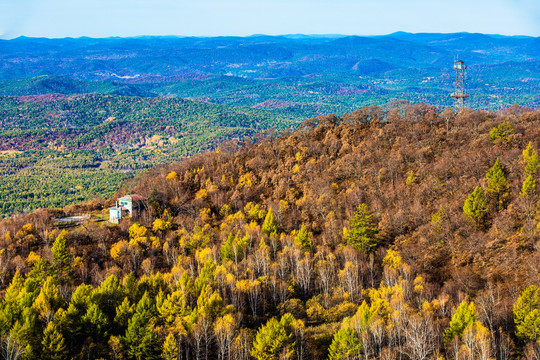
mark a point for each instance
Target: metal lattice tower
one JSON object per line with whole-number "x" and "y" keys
{"x": 459, "y": 94}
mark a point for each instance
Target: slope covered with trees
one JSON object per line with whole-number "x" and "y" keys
{"x": 399, "y": 233}
{"x": 58, "y": 150}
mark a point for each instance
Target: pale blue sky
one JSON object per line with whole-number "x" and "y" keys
{"x": 102, "y": 18}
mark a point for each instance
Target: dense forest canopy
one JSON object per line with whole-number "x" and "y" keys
{"x": 400, "y": 233}
{"x": 59, "y": 150}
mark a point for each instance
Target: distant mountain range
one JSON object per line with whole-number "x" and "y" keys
{"x": 251, "y": 70}
{"x": 160, "y": 58}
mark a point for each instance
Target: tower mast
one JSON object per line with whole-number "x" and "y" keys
{"x": 459, "y": 94}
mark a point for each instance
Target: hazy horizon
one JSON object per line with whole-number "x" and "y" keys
{"x": 255, "y": 35}
{"x": 210, "y": 18}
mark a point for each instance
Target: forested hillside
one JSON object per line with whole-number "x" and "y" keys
{"x": 398, "y": 233}
{"x": 58, "y": 150}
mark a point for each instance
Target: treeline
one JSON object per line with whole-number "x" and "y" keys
{"x": 398, "y": 233}
{"x": 80, "y": 111}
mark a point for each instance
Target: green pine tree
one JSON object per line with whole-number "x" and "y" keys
{"x": 363, "y": 231}
{"x": 497, "y": 185}
{"x": 53, "y": 344}
{"x": 130, "y": 285}
{"x": 303, "y": 238}
{"x": 74, "y": 325}
{"x": 96, "y": 323}
{"x": 464, "y": 316}
{"x": 274, "y": 340}
{"x": 62, "y": 257}
{"x": 124, "y": 312}
{"x": 227, "y": 248}
{"x": 527, "y": 314}
{"x": 502, "y": 133}
{"x": 530, "y": 158}
{"x": 528, "y": 188}
{"x": 206, "y": 276}
{"x": 270, "y": 225}
{"x": 49, "y": 298}
{"x": 140, "y": 340}
{"x": 170, "y": 348}
{"x": 14, "y": 289}
{"x": 345, "y": 345}
{"x": 145, "y": 306}
{"x": 109, "y": 295}
{"x": 40, "y": 271}
{"x": 475, "y": 206}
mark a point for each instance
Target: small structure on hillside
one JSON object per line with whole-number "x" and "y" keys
{"x": 127, "y": 206}
{"x": 69, "y": 221}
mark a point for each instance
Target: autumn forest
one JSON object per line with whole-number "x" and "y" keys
{"x": 397, "y": 232}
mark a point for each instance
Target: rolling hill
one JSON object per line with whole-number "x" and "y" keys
{"x": 390, "y": 65}
{"x": 407, "y": 232}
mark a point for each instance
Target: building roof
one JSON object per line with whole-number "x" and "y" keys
{"x": 133, "y": 197}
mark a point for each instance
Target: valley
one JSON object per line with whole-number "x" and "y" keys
{"x": 57, "y": 150}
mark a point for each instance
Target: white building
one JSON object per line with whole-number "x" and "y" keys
{"x": 127, "y": 206}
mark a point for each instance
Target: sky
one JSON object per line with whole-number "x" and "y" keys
{"x": 104, "y": 18}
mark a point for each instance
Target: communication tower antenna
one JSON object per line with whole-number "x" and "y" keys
{"x": 459, "y": 94}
